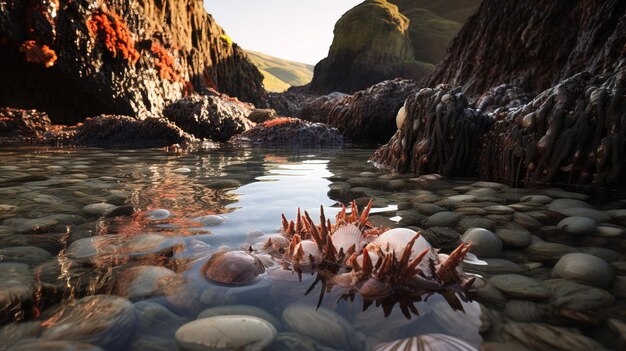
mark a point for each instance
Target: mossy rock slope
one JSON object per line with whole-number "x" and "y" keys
{"x": 379, "y": 40}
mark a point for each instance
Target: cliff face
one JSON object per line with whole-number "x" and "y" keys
{"x": 371, "y": 43}
{"x": 572, "y": 133}
{"x": 78, "y": 58}
{"x": 380, "y": 40}
{"x": 533, "y": 45}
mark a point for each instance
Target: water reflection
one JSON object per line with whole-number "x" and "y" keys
{"x": 100, "y": 279}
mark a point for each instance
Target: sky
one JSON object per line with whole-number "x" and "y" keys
{"x": 297, "y": 30}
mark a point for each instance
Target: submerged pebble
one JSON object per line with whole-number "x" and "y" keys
{"x": 234, "y": 332}
{"x": 103, "y": 320}
{"x": 245, "y": 310}
{"x": 322, "y": 325}
{"x": 158, "y": 215}
{"x": 519, "y": 286}
{"x": 584, "y": 268}
{"x": 485, "y": 244}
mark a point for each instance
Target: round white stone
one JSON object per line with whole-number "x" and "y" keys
{"x": 234, "y": 332}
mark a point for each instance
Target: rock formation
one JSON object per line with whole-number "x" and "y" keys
{"x": 19, "y": 126}
{"x": 124, "y": 131}
{"x": 215, "y": 117}
{"x": 572, "y": 133}
{"x": 533, "y": 45}
{"x": 437, "y": 133}
{"x": 78, "y": 58}
{"x": 368, "y": 116}
{"x": 287, "y": 131}
{"x": 377, "y": 41}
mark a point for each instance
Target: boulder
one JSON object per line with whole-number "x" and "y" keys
{"x": 19, "y": 126}
{"x": 370, "y": 115}
{"x": 124, "y": 131}
{"x": 291, "y": 132}
{"x": 214, "y": 117}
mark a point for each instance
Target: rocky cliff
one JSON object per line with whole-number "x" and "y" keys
{"x": 571, "y": 133}
{"x": 380, "y": 40}
{"x": 533, "y": 44}
{"x": 78, "y": 58}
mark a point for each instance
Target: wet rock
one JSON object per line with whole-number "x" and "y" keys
{"x": 489, "y": 294}
{"x": 577, "y": 297}
{"x": 217, "y": 118}
{"x": 23, "y": 126}
{"x": 210, "y": 220}
{"x": 598, "y": 216}
{"x": 240, "y": 294}
{"x": 245, "y": 310}
{"x": 53, "y": 345}
{"x": 261, "y": 115}
{"x": 525, "y": 311}
{"x": 516, "y": 237}
{"x": 537, "y": 199}
{"x": 16, "y": 290}
{"x": 290, "y": 131}
{"x": 442, "y": 237}
{"x": 539, "y": 336}
{"x": 520, "y": 286}
{"x": 233, "y": 268}
{"x": 607, "y": 255}
{"x": 584, "y": 268}
{"x": 32, "y": 256}
{"x": 370, "y": 115}
{"x": 226, "y": 333}
{"x": 322, "y": 325}
{"x": 544, "y": 251}
{"x": 155, "y": 319}
{"x": 618, "y": 287}
{"x": 293, "y": 341}
{"x": 153, "y": 343}
{"x": 560, "y": 205}
{"x": 106, "y": 321}
{"x": 609, "y": 231}
{"x": 158, "y": 214}
{"x": 13, "y": 333}
{"x": 485, "y": 244}
{"x": 35, "y": 225}
{"x": 123, "y": 131}
{"x": 495, "y": 266}
{"x": 442, "y": 219}
{"x": 418, "y": 147}
{"x": 499, "y": 209}
{"x": 145, "y": 281}
{"x": 526, "y": 221}
{"x": 107, "y": 249}
{"x": 98, "y": 209}
{"x": 468, "y": 222}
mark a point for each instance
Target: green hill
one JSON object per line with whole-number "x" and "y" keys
{"x": 281, "y": 74}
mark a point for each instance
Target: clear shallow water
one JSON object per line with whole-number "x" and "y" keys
{"x": 153, "y": 264}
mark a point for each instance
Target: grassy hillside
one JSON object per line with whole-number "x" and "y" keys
{"x": 281, "y": 74}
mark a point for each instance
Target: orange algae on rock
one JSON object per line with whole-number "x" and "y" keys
{"x": 39, "y": 54}
{"x": 165, "y": 63}
{"x": 109, "y": 28}
{"x": 278, "y": 121}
